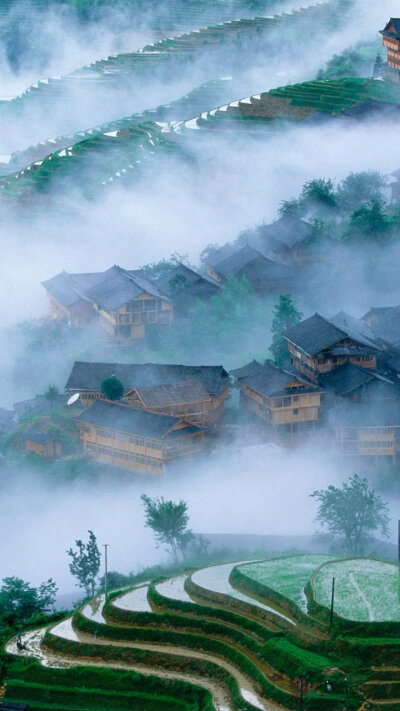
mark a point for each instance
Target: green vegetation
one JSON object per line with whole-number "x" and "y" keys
{"x": 85, "y": 563}
{"x": 352, "y": 513}
{"x": 112, "y": 388}
{"x": 286, "y": 576}
{"x": 285, "y": 316}
{"x": 365, "y": 590}
{"x": 20, "y": 602}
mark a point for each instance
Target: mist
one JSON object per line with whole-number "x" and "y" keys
{"x": 220, "y": 184}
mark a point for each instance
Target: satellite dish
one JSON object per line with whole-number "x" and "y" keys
{"x": 73, "y": 399}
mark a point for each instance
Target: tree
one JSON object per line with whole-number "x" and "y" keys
{"x": 352, "y": 513}
{"x": 360, "y": 188}
{"x": 20, "y": 600}
{"x": 112, "y": 388}
{"x": 51, "y": 392}
{"x": 168, "y": 520}
{"x": 85, "y": 564}
{"x": 285, "y": 316}
{"x": 369, "y": 221}
{"x": 291, "y": 208}
{"x": 319, "y": 198}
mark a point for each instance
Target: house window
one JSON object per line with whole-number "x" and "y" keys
{"x": 296, "y": 411}
{"x": 150, "y": 305}
{"x": 295, "y": 398}
{"x": 152, "y": 317}
{"x": 134, "y": 306}
{"x": 144, "y": 317}
{"x": 286, "y": 401}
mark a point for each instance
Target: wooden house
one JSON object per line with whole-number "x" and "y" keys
{"x": 43, "y": 444}
{"x": 184, "y": 286}
{"x": 214, "y": 256}
{"x": 385, "y": 323}
{"x": 361, "y": 384}
{"x": 265, "y": 275}
{"x": 391, "y": 40}
{"x": 287, "y": 402}
{"x": 367, "y": 433}
{"x": 317, "y": 345}
{"x": 124, "y": 302}
{"x": 197, "y": 393}
{"x": 135, "y": 439}
{"x": 375, "y": 315}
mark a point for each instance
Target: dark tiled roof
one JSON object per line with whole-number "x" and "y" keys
{"x": 346, "y": 378}
{"x": 355, "y": 328}
{"x": 287, "y": 229}
{"x": 109, "y": 289}
{"x": 6, "y": 417}
{"x": 245, "y": 257}
{"x": 89, "y": 376}
{"x": 38, "y": 437}
{"x": 40, "y": 405}
{"x": 377, "y": 311}
{"x": 123, "y": 418}
{"x": 267, "y": 379}
{"x": 175, "y": 394}
{"x": 387, "y": 328}
{"x": 392, "y": 28}
{"x": 192, "y": 278}
{"x": 317, "y": 333}
{"x": 219, "y": 254}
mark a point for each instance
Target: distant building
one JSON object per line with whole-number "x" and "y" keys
{"x": 367, "y": 433}
{"x": 134, "y": 439}
{"x": 184, "y": 286}
{"x": 288, "y": 403}
{"x": 385, "y": 323}
{"x": 391, "y": 40}
{"x": 124, "y": 302}
{"x": 6, "y": 421}
{"x": 265, "y": 275}
{"x": 43, "y": 444}
{"x": 40, "y": 405}
{"x": 217, "y": 255}
{"x": 318, "y": 345}
{"x": 197, "y": 393}
{"x": 361, "y": 384}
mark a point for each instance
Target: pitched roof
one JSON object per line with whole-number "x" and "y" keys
{"x": 287, "y": 229}
{"x": 219, "y": 254}
{"x": 267, "y": 379}
{"x": 387, "y": 327}
{"x": 39, "y": 437}
{"x": 40, "y": 405}
{"x": 191, "y": 277}
{"x": 317, "y": 333}
{"x": 109, "y": 289}
{"x": 243, "y": 258}
{"x": 355, "y": 328}
{"x": 174, "y": 394}
{"x": 87, "y": 377}
{"x": 392, "y": 28}
{"x": 346, "y": 379}
{"x": 132, "y": 420}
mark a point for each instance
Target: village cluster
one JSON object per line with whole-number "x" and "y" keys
{"x": 342, "y": 380}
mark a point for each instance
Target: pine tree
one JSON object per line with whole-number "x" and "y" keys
{"x": 285, "y": 316}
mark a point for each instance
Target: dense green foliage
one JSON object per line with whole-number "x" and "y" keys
{"x": 19, "y": 601}
{"x": 112, "y": 388}
{"x": 169, "y": 523}
{"x": 352, "y": 513}
{"x": 285, "y": 316}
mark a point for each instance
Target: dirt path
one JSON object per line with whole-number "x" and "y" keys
{"x": 33, "y": 640}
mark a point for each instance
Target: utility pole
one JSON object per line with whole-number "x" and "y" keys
{"x": 301, "y": 693}
{"x": 332, "y": 599}
{"x": 105, "y": 572}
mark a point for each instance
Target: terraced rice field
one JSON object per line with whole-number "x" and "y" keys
{"x": 197, "y": 636}
{"x": 288, "y": 576}
{"x": 364, "y": 590}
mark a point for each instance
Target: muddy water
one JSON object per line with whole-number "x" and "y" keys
{"x": 94, "y": 609}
